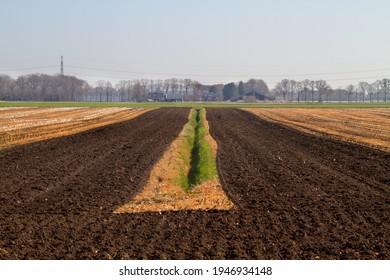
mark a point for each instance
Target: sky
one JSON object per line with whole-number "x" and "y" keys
{"x": 211, "y": 41}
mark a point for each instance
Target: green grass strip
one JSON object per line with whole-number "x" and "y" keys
{"x": 203, "y": 166}
{"x": 196, "y": 153}
{"x": 185, "y": 149}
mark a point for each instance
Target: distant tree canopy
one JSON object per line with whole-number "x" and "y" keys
{"x": 256, "y": 86}
{"x": 213, "y": 89}
{"x": 230, "y": 91}
{"x": 41, "y": 87}
{"x": 321, "y": 91}
{"x": 241, "y": 89}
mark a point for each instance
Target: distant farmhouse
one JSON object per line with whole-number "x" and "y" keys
{"x": 173, "y": 97}
{"x": 165, "y": 97}
{"x": 255, "y": 95}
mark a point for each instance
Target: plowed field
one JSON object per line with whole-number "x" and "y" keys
{"x": 308, "y": 197}
{"x": 31, "y": 124}
{"x": 298, "y": 196}
{"x": 369, "y": 127}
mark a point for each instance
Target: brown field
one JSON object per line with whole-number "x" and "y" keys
{"x": 32, "y": 124}
{"x": 297, "y": 195}
{"x": 365, "y": 126}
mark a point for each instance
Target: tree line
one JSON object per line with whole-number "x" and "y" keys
{"x": 41, "y": 87}
{"x": 321, "y": 91}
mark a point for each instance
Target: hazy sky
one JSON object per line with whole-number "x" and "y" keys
{"x": 212, "y": 41}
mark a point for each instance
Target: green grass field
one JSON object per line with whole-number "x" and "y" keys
{"x": 195, "y": 104}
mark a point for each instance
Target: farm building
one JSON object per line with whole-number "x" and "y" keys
{"x": 173, "y": 97}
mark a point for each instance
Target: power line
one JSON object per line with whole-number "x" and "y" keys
{"x": 228, "y": 76}
{"x": 27, "y": 60}
{"x": 238, "y": 77}
{"x": 205, "y": 65}
{"x": 214, "y": 65}
{"x": 362, "y": 78}
{"x": 29, "y": 68}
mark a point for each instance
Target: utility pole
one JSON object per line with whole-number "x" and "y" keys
{"x": 62, "y": 65}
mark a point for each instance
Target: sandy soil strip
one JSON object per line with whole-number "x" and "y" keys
{"x": 370, "y": 127}
{"x": 164, "y": 193}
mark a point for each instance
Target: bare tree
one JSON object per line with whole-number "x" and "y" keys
{"x": 159, "y": 85}
{"x": 371, "y": 91}
{"x": 187, "y": 85}
{"x": 340, "y": 92}
{"x": 293, "y": 89}
{"x": 385, "y": 88}
{"x": 328, "y": 93}
{"x": 362, "y": 88}
{"x": 305, "y": 88}
{"x": 174, "y": 85}
{"x": 312, "y": 85}
{"x": 152, "y": 86}
{"x": 100, "y": 89}
{"x": 167, "y": 85}
{"x": 121, "y": 86}
{"x": 5, "y": 87}
{"x": 144, "y": 83}
{"x": 283, "y": 87}
{"x": 219, "y": 92}
{"x": 138, "y": 90}
{"x": 378, "y": 88}
{"x": 299, "y": 89}
{"x": 322, "y": 87}
{"x": 180, "y": 86}
{"x": 278, "y": 90}
{"x": 108, "y": 91}
{"x": 129, "y": 90}
{"x": 350, "y": 91}
{"x": 22, "y": 88}
{"x": 197, "y": 88}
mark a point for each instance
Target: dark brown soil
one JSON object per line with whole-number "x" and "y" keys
{"x": 310, "y": 197}
{"x": 299, "y": 197}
